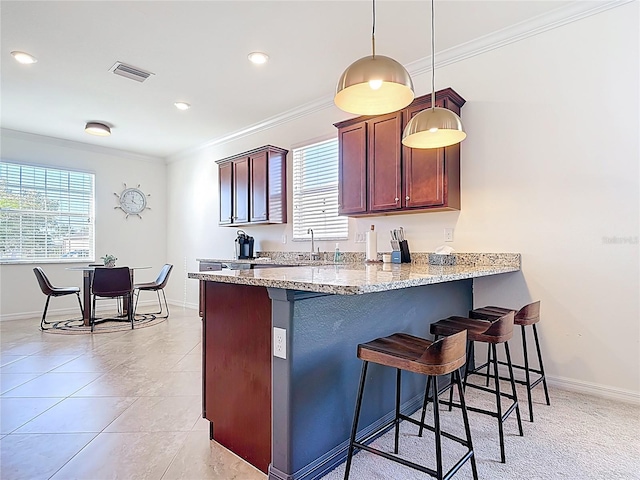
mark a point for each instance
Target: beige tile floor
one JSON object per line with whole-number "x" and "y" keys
{"x": 121, "y": 405}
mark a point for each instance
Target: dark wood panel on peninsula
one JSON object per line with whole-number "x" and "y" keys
{"x": 378, "y": 175}
{"x": 253, "y": 187}
{"x": 237, "y": 369}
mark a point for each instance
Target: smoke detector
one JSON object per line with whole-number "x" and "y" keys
{"x": 129, "y": 71}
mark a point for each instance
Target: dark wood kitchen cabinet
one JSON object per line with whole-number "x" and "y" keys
{"x": 226, "y": 192}
{"x": 379, "y": 175}
{"x": 253, "y": 187}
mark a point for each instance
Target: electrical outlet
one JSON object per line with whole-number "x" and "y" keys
{"x": 284, "y": 238}
{"x": 448, "y": 234}
{"x": 279, "y": 342}
{"x": 360, "y": 237}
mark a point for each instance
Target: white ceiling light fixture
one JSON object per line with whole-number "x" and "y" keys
{"x": 434, "y": 127}
{"x": 23, "y": 57}
{"x": 97, "y": 128}
{"x": 258, "y": 57}
{"x": 182, "y": 105}
{"x": 375, "y": 84}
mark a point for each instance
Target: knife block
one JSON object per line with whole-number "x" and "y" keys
{"x": 405, "y": 255}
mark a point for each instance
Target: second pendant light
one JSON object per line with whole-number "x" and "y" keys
{"x": 375, "y": 84}
{"x": 433, "y": 127}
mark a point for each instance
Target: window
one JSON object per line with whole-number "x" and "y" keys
{"x": 46, "y": 214}
{"x": 315, "y": 193}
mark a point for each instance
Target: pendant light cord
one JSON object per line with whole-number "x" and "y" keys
{"x": 433, "y": 58}
{"x": 373, "y": 30}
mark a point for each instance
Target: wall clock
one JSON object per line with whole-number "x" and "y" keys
{"x": 132, "y": 201}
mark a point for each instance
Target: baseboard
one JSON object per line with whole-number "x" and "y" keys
{"x": 71, "y": 312}
{"x": 330, "y": 460}
{"x": 594, "y": 389}
{"x": 176, "y": 303}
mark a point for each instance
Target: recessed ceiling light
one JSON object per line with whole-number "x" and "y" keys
{"x": 258, "y": 57}
{"x": 23, "y": 57}
{"x": 182, "y": 105}
{"x": 97, "y": 128}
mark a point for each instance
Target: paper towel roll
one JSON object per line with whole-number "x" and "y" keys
{"x": 372, "y": 245}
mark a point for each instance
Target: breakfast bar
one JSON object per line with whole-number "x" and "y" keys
{"x": 279, "y": 351}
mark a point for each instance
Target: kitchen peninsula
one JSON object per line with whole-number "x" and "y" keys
{"x": 286, "y": 405}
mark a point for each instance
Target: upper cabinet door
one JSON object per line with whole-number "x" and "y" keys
{"x": 258, "y": 165}
{"x": 226, "y": 193}
{"x": 352, "y": 169}
{"x": 432, "y": 175}
{"x": 241, "y": 190}
{"x": 384, "y": 162}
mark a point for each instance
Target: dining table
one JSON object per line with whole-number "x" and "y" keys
{"x": 87, "y": 277}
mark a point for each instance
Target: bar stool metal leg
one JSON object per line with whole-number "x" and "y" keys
{"x": 498, "y": 403}
{"x": 526, "y": 371}
{"x": 544, "y": 377}
{"x": 436, "y": 424}
{"x": 465, "y": 418}
{"x": 397, "y": 421}
{"x": 424, "y": 405}
{"x": 356, "y": 417}
{"x": 513, "y": 387}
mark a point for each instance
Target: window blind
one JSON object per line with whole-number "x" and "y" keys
{"x": 315, "y": 193}
{"x": 46, "y": 214}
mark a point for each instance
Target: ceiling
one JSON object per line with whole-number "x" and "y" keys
{"x": 198, "y": 53}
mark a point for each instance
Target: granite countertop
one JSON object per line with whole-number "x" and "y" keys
{"x": 266, "y": 261}
{"x": 358, "y": 278}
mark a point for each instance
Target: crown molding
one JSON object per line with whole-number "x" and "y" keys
{"x": 534, "y": 26}
{"x": 60, "y": 142}
{"x": 556, "y": 18}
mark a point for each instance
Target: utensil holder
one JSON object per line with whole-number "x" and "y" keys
{"x": 405, "y": 256}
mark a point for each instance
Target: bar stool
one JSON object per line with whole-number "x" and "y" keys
{"x": 492, "y": 333}
{"x": 528, "y": 315}
{"x": 406, "y": 352}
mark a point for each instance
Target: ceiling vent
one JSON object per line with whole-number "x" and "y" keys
{"x": 129, "y": 71}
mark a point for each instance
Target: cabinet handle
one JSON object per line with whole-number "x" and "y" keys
{"x": 407, "y": 197}
{"x": 397, "y": 199}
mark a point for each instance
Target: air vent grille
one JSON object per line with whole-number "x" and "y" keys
{"x": 129, "y": 71}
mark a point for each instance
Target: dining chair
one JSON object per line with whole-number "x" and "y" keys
{"x": 157, "y": 286}
{"x": 111, "y": 283}
{"x": 50, "y": 291}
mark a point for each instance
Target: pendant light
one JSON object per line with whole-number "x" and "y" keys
{"x": 375, "y": 84}
{"x": 434, "y": 127}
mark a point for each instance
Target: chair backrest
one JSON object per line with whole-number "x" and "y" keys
{"x": 43, "y": 281}
{"x": 529, "y": 313}
{"x": 449, "y": 352}
{"x": 502, "y": 327}
{"x": 111, "y": 282}
{"x": 164, "y": 275}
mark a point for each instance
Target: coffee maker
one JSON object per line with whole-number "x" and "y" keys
{"x": 244, "y": 245}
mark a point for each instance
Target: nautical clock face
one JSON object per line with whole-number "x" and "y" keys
{"x": 132, "y": 201}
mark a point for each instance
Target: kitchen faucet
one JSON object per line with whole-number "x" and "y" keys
{"x": 314, "y": 255}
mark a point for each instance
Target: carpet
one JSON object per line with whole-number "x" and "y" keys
{"x": 77, "y": 327}
{"x": 578, "y": 437}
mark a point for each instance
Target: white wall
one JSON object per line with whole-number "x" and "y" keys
{"x": 549, "y": 168}
{"x": 134, "y": 241}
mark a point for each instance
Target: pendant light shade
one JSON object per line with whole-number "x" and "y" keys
{"x": 374, "y": 85}
{"x": 434, "y": 127}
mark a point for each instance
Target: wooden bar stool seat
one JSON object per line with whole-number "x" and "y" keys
{"x": 406, "y": 352}
{"x": 527, "y": 316}
{"x": 499, "y": 331}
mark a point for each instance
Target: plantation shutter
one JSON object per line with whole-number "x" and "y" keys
{"x": 315, "y": 193}
{"x": 45, "y": 214}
